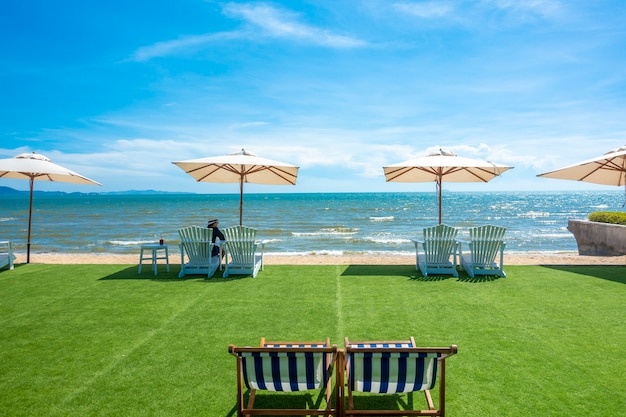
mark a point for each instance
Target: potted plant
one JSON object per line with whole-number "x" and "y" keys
{"x": 603, "y": 234}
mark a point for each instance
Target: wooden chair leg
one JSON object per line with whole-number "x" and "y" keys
{"x": 429, "y": 400}
{"x": 442, "y": 388}
{"x": 250, "y": 405}
{"x": 239, "y": 390}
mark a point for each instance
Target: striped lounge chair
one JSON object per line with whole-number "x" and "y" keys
{"x": 395, "y": 367}
{"x": 287, "y": 367}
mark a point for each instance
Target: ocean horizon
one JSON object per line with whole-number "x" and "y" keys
{"x": 297, "y": 223}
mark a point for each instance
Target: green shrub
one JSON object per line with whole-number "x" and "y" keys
{"x": 612, "y": 217}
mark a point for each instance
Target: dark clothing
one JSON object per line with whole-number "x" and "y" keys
{"x": 217, "y": 233}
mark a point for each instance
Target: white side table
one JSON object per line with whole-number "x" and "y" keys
{"x": 154, "y": 255}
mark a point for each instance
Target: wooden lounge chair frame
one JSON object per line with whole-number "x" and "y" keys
{"x": 433, "y": 356}
{"x": 485, "y": 244}
{"x": 196, "y": 243}
{"x": 438, "y": 245}
{"x": 284, "y": 355}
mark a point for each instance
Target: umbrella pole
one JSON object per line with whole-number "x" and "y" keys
{"x": 30, "y": 216}
{"x": 439, "y": 196}
{"x": 241, "y": 201}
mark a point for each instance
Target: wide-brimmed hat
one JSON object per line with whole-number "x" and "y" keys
{"x": 211, "y": 221}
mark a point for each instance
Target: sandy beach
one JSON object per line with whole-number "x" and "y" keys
{"x": 509, "y": 259}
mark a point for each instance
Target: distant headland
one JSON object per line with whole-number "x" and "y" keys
{"x": 8, "y": 191}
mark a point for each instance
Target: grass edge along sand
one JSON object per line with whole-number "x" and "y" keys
{"x": 101, "y": 340}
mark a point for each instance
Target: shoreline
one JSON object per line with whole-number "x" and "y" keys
{"x": 530, "y": 258}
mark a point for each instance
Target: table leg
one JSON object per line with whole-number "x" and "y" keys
{"x": 167, "y": 259}
{"x": 140, "y": 261}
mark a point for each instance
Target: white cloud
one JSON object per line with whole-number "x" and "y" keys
{"x": 245, "y": 125}
{"x": 425, "y": 10}
{"x": 482, "y": 12}
{"x": 526, "y": 8}
{"x": 284, "y": 25}
{"x": 183, "y": 45}
{"x": 263, "y": 21}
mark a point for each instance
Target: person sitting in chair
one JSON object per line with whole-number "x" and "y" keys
{"x": 216, "y": 234}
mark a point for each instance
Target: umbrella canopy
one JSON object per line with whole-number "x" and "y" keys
{"x": 33, "y": 166}
{"x": 607, "y": 169}
{"x": 241, "y": 167}
{"x": 443, "y": 166}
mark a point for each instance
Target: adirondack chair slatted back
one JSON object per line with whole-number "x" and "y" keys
{"x": 439, "y": 243}
{"x": 485, "y": 243}
{"x": 197, "y": 242}
{"x": 241, "y": 241}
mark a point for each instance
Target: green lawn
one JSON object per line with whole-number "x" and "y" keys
{"x": 101, "y": 340}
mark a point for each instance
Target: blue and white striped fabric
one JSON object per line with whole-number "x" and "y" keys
{"x": 383, "y": 345}
{"x": 392, "y": 372}
{"x": 294, "y": 345}
{"x": 284, "y": 371}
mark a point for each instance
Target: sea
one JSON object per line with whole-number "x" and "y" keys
{"x": 297, "y": 223}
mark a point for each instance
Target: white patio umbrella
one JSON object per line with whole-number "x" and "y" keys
{"x": 443, "y": 166}
{"x": 33, "y": 166}
{"x": 241, "y": 167}
{"x": 607, "y": 169}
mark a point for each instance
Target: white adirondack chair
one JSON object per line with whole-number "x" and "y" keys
{"x": 485, "y": 244}
{"x": 196, "y": 243}
{"x": 244, "y": 254}
{"x": 438, "y": 246}
{"x": 6, "y": 254}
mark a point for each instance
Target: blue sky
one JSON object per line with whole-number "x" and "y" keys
{"x": 117, "y": 90}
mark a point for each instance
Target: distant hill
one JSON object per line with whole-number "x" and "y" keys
{"x": 8, "y": 191}
{"x": 11, "y": 191}
{"x": 143, "y": 192}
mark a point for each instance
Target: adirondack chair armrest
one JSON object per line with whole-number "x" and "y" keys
{"x": 469, "y": 242}
{"x": 224, "y": 244}
{"x": 6, "y": 254}
{"x": 422, "y": 242}
{"x": 262, "y": 245}
{"x": 182, "y": 243}
{"x": 256, "y": 242}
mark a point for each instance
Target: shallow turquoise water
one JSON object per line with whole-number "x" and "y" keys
{"x": 332, "y": 223}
